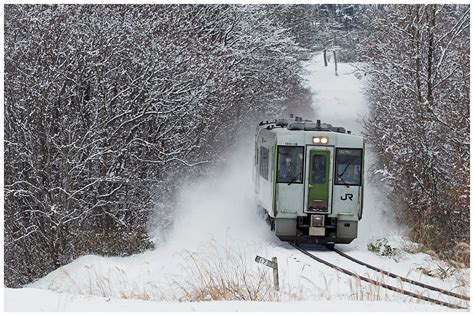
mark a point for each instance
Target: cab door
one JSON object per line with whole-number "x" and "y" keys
{"x": 319, "y": 178}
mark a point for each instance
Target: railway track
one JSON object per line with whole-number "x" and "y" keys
{"x": 395, "y": 276}
{"x": 387, "y": 286}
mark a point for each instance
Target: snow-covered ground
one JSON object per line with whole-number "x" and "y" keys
{"x": 217, "y": 235}
{"x": 39, "y": 300}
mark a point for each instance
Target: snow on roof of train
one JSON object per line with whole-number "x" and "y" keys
{"x": 299, "y": 124}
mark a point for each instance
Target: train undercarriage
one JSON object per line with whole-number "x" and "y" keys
{"x": 303, "y": 229}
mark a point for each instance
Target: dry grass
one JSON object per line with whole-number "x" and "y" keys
{"x": 224, "y": 274}
{"x": 363, "y": 291}
{"x": 230, "y": 273}
{"x": 114, "y": 283}
{"x": 462, "y": 255}
{"x": 210, "y": 273}
{"x": 457, "y": 256}
{"x": 454, "y": 266}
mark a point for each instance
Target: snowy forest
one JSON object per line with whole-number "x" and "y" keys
{"x": 109, "y": 108}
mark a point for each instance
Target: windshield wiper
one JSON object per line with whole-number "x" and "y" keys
{"x": 345, "y": 169}
{"x": 347, "y": 185}
{"x": 294, "y": 178}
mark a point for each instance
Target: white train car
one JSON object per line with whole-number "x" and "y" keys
{"x": 309, "y": 180}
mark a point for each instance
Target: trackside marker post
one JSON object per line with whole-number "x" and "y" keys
{"x": 274, "y": 265}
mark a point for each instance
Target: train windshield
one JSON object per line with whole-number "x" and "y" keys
{"x": 348, "y": 166}
{"x": 290, "y": 164}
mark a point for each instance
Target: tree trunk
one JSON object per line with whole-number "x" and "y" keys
{"x": 325, "y": 59}
{"x": 430, "y": 70}
{"x": 335, "y": 62}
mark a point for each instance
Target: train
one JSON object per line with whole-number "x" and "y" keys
{"x": 309, "y": 180}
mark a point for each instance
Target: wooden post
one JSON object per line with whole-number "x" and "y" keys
{"x": 325, "y": 59}
{"x": 335, "y": 61}
{"x": 276, "y": 281}
{"x": 271, "y": 264}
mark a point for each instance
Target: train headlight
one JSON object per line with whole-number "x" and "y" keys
{"x": 317, "y": 220}
{"x": 320, "y": 140}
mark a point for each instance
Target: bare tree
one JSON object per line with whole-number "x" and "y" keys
{"x": 418, "y": 61}
{"x": 106, "y": 106}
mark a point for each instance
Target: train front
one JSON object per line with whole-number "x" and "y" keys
{"x": 319, "y": 186}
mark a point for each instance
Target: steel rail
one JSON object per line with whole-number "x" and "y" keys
{"x": 393, "y": 275}
{"x": 378, "y": 283}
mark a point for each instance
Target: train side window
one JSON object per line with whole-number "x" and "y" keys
{"x": 290, "y": 164}
{"x": 264, "y": 153}
{"x": 256, "y": 154}
{"x": 348, "y": 166}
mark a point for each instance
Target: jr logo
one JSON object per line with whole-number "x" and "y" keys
{"x": 348, "y": 195}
